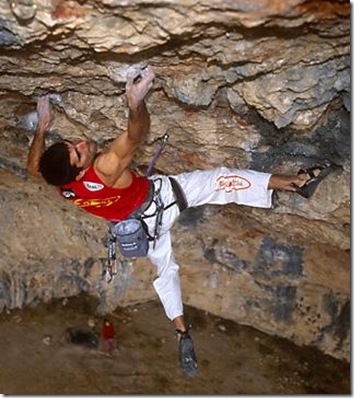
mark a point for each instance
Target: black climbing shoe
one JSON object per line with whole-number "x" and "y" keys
{"x": 187, "y": 357}
{"x": 315, "y": 175}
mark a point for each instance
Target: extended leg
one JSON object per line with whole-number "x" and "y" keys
{"x": 222, "y": 185}
{"x": 167, "y": 286}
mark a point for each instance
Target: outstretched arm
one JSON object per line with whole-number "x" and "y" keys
{"x": 38, "y": 143}
{"x": 112, "y": 164}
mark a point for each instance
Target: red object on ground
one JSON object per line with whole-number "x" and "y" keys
{"x": 108, "y": 330}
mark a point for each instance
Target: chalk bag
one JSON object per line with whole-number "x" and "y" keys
{"x": 131, "y": 238}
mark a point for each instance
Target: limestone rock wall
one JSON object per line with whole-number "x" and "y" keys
{"x": 259, "y": 84}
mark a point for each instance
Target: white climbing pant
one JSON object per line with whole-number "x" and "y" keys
{"x": 218, "y": 186}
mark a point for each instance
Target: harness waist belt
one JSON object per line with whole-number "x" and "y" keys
{"x": 147, "y": 202}
{"x": 180, "y": 197}
{"x": 178, "y": 193}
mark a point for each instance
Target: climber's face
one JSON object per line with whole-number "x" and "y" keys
{"x": 82, "y": 153}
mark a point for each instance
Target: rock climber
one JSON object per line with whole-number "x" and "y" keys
{"x": 103, "y": 184}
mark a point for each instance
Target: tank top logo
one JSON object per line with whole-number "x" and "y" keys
{"x": 68, "y": 193}
{"x": 96, "y": 202}
{"x": 93, "y": 186}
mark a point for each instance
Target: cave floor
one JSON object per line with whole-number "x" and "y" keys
{"x": 36, "y": 358}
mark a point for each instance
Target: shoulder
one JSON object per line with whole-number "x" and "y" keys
{"x": 107, "y": 163}
{"x": 111, "y": 171}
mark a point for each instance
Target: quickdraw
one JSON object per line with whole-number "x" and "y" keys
{"x": 157, "y": 153}
{"x": 111, "y": 263}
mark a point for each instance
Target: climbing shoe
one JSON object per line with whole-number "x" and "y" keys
{"x": 314, "y": 176}
{"x": 187, "y": 357}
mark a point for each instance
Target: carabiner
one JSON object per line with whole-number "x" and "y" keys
{"x": 165, "y": 139}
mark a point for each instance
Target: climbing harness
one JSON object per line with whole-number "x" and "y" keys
{"x": 132, "y": 235}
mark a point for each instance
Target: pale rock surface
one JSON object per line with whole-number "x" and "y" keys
{"x": 258, "y": 84}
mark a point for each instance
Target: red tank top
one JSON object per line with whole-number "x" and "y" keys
{"x": 113, "y": 204}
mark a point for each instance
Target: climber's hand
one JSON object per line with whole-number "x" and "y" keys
{"x": 44, "y": 113}
{"x": 137, "y": 89}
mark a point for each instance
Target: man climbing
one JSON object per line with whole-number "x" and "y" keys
{"x": 103, "y": 184}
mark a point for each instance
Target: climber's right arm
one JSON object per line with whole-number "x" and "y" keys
{"x": 38, "y": 144}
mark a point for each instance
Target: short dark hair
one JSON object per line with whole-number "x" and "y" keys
{"x": 55, "y": 166}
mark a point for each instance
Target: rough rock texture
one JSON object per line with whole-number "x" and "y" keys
{"x": 261, "y": 84}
